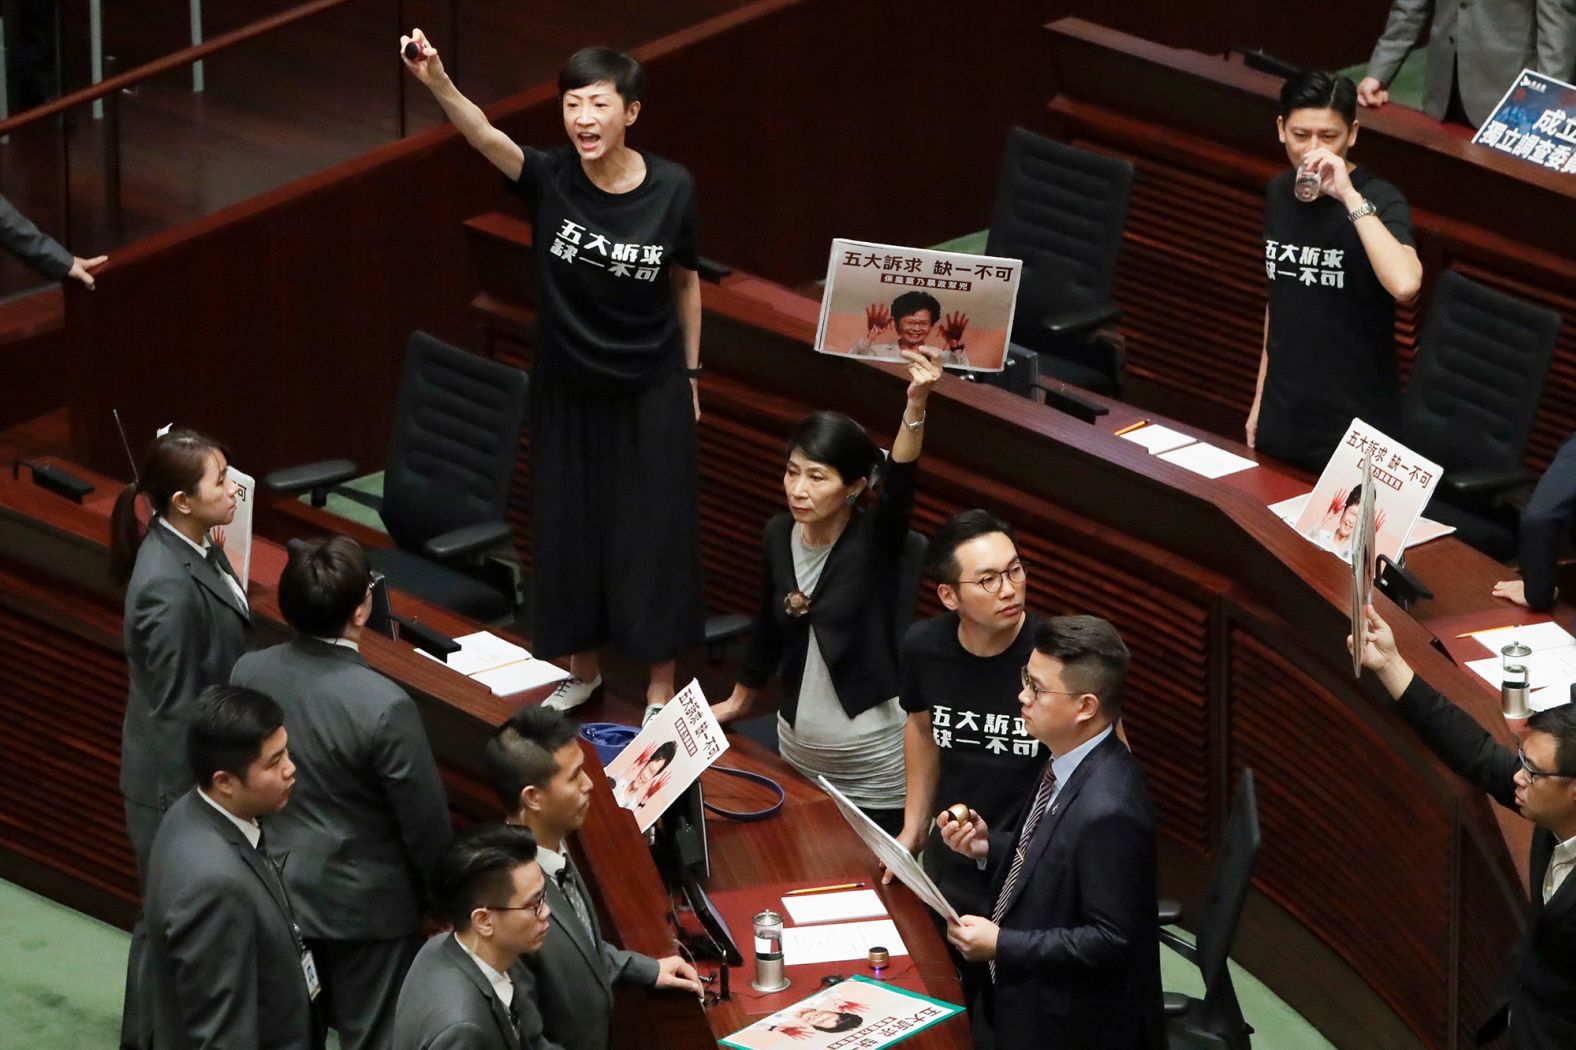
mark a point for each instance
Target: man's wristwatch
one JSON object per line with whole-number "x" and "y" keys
{"x": 694, "y": 373}
{"x": 1363, "y": 210}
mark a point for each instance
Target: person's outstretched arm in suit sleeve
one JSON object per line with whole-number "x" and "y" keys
{"x": 1401, "y": 31}
{"x": 20, "y": 237}
{"x": 1451, "y": 733}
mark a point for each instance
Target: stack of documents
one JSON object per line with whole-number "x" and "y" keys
{"x": 1185, "y": 451}
{"x": 832, "y": 939}
{"x": 499, "y": 664}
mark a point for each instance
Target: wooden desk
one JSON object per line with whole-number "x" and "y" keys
{"x": 1388, "y": 893}
{"x": 62, "y": 695}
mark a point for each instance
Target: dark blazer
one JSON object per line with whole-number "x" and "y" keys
{"x": 1538, "y": 994}
{"x": 447, "y": 1004}
{"x": 222, "y": 960}
{"x": 857, "y": 611}
{"x": 22, "y": 239}
{"x": 1548, "y": 516}
{"x": 1078, "y": 958}
{"x": 184, "y": 629}
{"x": 572, "y": 977}
{"x": 367, "y": 818}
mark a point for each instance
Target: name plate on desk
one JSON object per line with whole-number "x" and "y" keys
{"x": 1536, "y": 121}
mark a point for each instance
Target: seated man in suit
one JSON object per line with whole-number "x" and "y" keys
{"x": 1073, "y": 943}
{"x": 468, "y": 988}
{"x": 538, "y": 769}
{"x": 1537, "y": 999}
{"x": 368, "y": 817}
{"x": 224, "y": 959}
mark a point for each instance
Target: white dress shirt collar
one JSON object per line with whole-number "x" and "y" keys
{"x": 501, "y": 985}
{"x": 250, "y": 828}
{"x": 1064, "y": 766}
{"x": 343, "y": 642}
{"x": 200, "y": 548}
{"x": 1560, "y": 865}
{"x": 552, "y": 862}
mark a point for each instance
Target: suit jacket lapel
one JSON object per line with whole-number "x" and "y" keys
{"x": 566, "y": 919}
{"x": 1557, "y": 906}
{"x": 201, "y": 571}
{"x": 461, "y": 960}
{"x": 1053, "y": 817}
{"x": 260, "y": 865}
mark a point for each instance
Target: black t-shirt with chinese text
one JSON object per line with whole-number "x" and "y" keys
{"x": 606, "y": 315}
{"x": 1331, "y": 323}
{"x": 988, "y": 759}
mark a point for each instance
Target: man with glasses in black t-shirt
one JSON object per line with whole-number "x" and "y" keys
{"x": 965, "y": 740}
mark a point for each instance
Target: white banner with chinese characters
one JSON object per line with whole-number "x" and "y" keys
{"x": 670, "y": 753}
{"x": 1403, "y": 482}
{"x": 1536, "y": 121}
{"x": 882, "y": 299}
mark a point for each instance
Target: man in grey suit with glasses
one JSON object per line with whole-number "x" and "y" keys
{"x": 537, "y": 766}
{"x": 369, "y": 817}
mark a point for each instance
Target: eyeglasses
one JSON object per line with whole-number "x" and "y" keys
{"x": 1533, "y": 774}
{"x": 534, "y": 905}
{"x": 1029, "y": 684}
{"x": 990, "y": 582}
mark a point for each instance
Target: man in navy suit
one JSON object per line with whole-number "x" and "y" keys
{"x": 1072, "y": 941}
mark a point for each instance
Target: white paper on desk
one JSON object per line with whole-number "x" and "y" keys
{"x": 1157, "y": 438}
{"x": 1546, "y": 668}
{"x": 520, "y": 676}
{"x": 482, "y": 651}
{"x": 1203, "y": 458}
{"x": 1535, "y": 636}
{"x": 840, "y": 942}
{"x": 1288, "y": 509}
{"x": 898, "y": 861}
{"x": 834, "y": 907}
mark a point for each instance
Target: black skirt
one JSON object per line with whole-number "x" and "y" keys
{"x": 615, "y": 519}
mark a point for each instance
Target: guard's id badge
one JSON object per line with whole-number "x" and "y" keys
{"x": 309, "y": 971}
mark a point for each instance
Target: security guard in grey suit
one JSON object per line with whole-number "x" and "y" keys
{"x": 467, "y": 990}
{"x": 368, "y": 818}
{"x": 225, "y": 964}
{"x": 186, "y": 622}
{"x": 1476, "y": 48}
{"x": 537, "y": 767}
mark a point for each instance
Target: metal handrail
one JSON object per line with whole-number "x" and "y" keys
{"x": 175, "y": 60}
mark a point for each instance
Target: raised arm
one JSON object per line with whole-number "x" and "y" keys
{"x": 504, "y": 152}
{"x": 924, "y": 370}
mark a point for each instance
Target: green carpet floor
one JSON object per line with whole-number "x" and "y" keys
{"x": 62, "y": 975}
